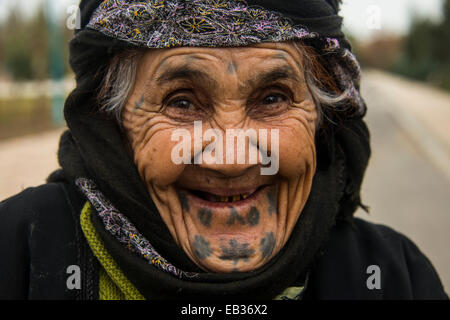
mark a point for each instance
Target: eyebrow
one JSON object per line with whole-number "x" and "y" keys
{"x": 186, "y": 73}
{"x": 273, "y": 75}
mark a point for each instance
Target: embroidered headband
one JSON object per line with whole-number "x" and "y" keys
{"x": 205, "y": 23}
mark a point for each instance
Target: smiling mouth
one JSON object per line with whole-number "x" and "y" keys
{"x": 218, "y": 197}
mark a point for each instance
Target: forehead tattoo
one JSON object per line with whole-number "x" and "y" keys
{"x": 232, "y": 68}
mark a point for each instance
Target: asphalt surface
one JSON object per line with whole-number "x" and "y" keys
{"x": 407, "y": 185}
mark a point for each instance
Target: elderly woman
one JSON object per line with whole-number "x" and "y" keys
{"x": 215, "y": 150}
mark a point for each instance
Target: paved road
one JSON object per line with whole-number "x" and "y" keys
{"x": 407, "y": 184}
{"x": 27, "y": 161}
{"x": 405, "y": 187}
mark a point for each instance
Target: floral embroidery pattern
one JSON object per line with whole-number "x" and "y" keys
{"x": 192, "y": 23}
{"x": 124, "y": 231}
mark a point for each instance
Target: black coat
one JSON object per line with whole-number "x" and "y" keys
{"x": 40, "y": 238}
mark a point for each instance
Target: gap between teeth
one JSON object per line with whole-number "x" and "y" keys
{"x": 234, "y": 198}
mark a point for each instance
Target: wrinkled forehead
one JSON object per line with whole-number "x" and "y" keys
{"x": 163, "y": 65}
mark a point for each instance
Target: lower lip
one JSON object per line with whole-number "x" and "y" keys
{"x": 237, "y": 204}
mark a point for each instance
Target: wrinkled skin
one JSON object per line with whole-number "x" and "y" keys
{"x": 234, "y": 236}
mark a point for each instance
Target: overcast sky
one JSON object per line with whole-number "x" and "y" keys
{"x": 362, "y": 18}
{"x": 365, "y": 17}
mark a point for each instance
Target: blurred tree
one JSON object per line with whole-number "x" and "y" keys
{"x": 381, "y": 52}
{"x": 426, "y": 54}
{"x": 16, "y": 57}
{"x": 39, "y": 43}
{"x": 24, "y": 45}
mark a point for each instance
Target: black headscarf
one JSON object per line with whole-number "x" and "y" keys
{"x": 94, "y": 148}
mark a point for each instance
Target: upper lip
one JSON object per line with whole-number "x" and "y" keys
{"x": 223, "y": 186}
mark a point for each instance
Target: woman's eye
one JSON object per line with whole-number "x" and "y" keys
{"x": 273, "y": 99}
{"x": 268, "y": 105}
{"x": 181, "y": 104}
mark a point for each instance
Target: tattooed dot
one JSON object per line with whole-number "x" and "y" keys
{"x": 202, "y": 247}
{"x": 272, "y": 204}
{"x": 267, "y": 245}
{"x": 205, "y": 216}
{"x": 235, "y": 217}
{"x": 183, "y": 201}
{"x": 253, "y": 217}
{"x": 232, "y": 67}
{"x": 236, "y": 251}
{"x": 139, "y": 103}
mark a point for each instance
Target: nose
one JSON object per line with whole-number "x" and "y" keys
{"x": 229, "y": 170}
{"x": 230, "y": 152}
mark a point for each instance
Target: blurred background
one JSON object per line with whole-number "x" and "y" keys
{"x": 404, "y": 49}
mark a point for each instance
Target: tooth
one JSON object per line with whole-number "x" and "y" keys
{"x": 236, "y": 198}
{"x": 244, "y": 196}
{"x": 224, "y": 199}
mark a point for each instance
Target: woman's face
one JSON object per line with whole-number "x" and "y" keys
{"x": 221, "y": 207}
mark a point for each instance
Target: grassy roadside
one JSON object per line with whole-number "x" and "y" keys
{"x": 23, "y": 116}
